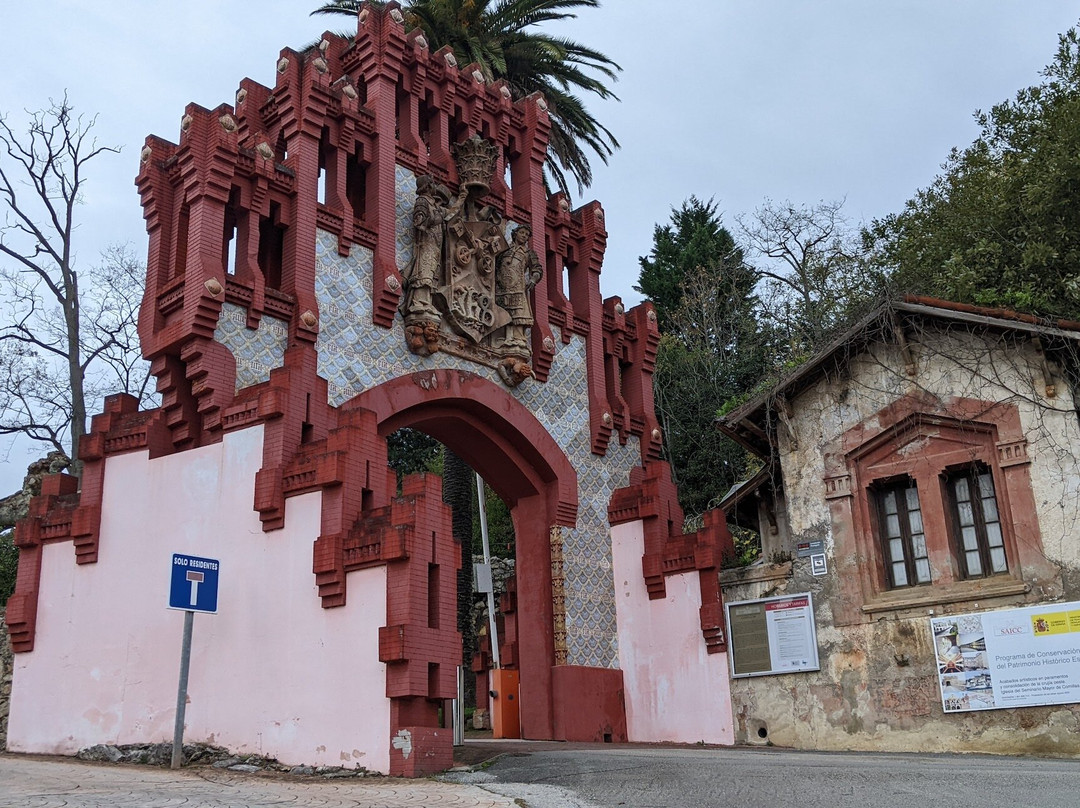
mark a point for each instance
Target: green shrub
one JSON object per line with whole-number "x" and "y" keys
{"x": 9, "y": 564}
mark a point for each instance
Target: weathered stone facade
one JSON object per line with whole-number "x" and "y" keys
{"x": 911, "y": 391}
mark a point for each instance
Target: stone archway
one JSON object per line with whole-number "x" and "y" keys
{"x": 498, "y": 437}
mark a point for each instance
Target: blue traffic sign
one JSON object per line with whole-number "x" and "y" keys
{"x": 194, "y": 584}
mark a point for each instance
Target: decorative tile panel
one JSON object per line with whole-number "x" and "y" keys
{"x": 257, "y": 350}
{"x": 405, "y": 185}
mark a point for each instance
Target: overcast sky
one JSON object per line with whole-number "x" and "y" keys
{"x": 735, "y": 100}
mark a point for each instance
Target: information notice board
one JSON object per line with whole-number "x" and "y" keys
{"x": 772, "y": 635}
{"x": 1010, "y": 658}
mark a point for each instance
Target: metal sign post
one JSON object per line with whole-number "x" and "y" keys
{"x": 194, "y": 588}
{"x": 458, "y": 709}
{"x": 181, "y": 693}
{"x": 482, "y": 498}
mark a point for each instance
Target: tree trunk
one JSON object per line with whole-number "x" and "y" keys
{"x": 75, "y": 371}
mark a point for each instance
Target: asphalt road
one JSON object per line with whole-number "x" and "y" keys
{"x": 652, "y": 777}
{"x": 549, "y": 775}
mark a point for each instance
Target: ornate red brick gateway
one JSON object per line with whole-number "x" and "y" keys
{"x": 369, "y": 245}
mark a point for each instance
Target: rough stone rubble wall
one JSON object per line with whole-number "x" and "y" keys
{"x": 7, "y": 663}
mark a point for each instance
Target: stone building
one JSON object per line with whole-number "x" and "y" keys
{"x": 929, "y": 459}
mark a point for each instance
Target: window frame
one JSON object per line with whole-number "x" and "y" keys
{"x": 898, "y": 487}
{"x": 972, "y": 473}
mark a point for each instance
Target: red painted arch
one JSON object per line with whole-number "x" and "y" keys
{"x": 484, "y": 425}
{"x": 501, "y": 439}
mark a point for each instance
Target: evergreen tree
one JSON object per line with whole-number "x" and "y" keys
{"x": 694, "y": 238}
{"x": 711, "y": 347}
{"x": 9, "y": 564}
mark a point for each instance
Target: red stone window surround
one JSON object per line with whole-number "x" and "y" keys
{"x": 929, "y": 444}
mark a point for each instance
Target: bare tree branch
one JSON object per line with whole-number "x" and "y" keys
{"x": 813, "y": 266}
{"x": 55, "y": 357}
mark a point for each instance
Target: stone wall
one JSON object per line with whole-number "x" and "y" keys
{"x": 247, "y": 693}
{"x": 7, "y": 663}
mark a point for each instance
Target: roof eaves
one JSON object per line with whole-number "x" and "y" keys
{"x": 1015, "y": 321}
{"x": 741, "y": 490}
{"x": 805, "y": 370}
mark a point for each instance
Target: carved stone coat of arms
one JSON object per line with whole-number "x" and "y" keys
{"x": 467, "y": 288}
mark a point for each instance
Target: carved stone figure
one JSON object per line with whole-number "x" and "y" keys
{"x": 518, "y": 272}
{"x": 423, "y": 276}
{"x": 466, "y": 289}
{"x": 514, "y": 371}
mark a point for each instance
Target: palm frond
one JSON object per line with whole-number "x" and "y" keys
{"x": 500, "y": 37}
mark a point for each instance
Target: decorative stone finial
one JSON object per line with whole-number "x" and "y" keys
{"x": 542, "y": 103}
{"x": 349, "y": 91}
{"x": 144, "y": 155}
{"x": 397, "y": 16}
{"x": 619, "y": 308}
{"x": 478, "y": 76}
{"x": 421, "y": 42}
{"x": 264, "y": 150}
{"x": 282, "y": 65}
{"x": 506, "y": 92}
{"x": 549, "y": 344}
{"x": 214, "y": 287}
{"x": 652, "y": 316}
{"x": 656, "y": 434}
{"x": 392, "y": 283}
{"x": 324, "y": 46}
{"x": 606, "y": 418}
{"x": 309, "y": 319}
{"x": 228, "y": 123}
{"x": 241, "y": 96}
{"x": 451, "y": 60}
{"x": 320, "y": 65}
{"x": 185, "y": 123}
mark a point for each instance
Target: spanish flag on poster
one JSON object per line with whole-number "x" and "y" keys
{"x": 1043, "y": 625}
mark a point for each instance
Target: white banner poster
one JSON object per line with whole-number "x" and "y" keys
{"x": 1012, "y": 658}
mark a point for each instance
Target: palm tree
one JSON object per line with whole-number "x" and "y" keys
{"x": 498, "y": 35}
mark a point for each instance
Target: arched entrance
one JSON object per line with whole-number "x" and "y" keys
{"x": 494, "y": 433}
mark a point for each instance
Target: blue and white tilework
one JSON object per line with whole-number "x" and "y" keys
{"x": 355, "y": 355}
{"x": 257, "y": 350}
{"x": 405, "y": 186}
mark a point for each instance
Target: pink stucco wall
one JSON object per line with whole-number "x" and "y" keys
{"x": 675, "y": 691}
{"x": 272, "y": 672}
